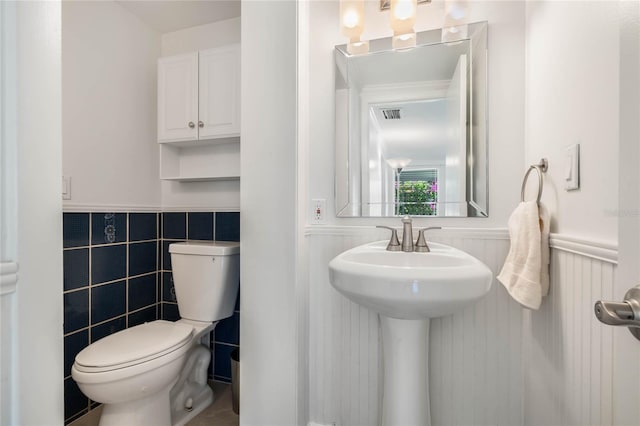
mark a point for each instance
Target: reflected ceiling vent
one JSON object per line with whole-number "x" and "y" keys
{"x": 391, "y": 114}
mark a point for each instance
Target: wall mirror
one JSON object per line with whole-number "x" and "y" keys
{"x": 411, "y": 127}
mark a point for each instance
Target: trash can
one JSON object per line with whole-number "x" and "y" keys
{"x": 235, "y": 380}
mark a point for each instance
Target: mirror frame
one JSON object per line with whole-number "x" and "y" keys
{"x": 348, "y": 178}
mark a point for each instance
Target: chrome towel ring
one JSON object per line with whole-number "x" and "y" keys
{"x": 541, "y": 167}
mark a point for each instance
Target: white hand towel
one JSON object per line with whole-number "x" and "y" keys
{"x": 525, "y": 273}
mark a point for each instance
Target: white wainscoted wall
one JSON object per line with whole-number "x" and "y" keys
{"x": 492, "y": 364}
{"x": 569, "y": 354}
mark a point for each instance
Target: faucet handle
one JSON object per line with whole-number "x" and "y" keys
{"x": 421, "y": 244}
{"x": 394, "y": 243}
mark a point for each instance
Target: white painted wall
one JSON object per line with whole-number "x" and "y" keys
{"x": 202, "y": 37}
{"x": 38, "y": 315}
{"x": 268, "y": 332}
{"x": 109, "y": 106}
{"x": 572, "y": 92}
{"x": 223, "y": 195}
{"x": 506, "y": 102}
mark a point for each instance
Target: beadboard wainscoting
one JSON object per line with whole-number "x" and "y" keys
{"x": 569, "y": 354}
{"x": 494, "y": 363}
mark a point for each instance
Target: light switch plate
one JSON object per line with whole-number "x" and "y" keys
{"x": 572, "y": 168}
{"x": 66, "y": 187}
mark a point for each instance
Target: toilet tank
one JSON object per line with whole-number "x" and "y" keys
{"x": 206, "y": 277}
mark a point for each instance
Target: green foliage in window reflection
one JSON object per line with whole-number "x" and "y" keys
{"x": 417, "y": 198}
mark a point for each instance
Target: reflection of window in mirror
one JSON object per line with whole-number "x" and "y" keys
{"x": 417, "y": 191}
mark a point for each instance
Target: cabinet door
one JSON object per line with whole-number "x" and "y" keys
{"x": 178, "y": 98}
{"x": 219, "y": 109}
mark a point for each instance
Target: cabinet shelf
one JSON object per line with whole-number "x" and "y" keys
{"x": 193, "y": 161}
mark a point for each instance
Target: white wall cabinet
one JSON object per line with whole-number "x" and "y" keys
{"x": 199, "y": 115}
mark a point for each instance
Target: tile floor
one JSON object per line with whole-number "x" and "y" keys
{"x": 220, "y": 413}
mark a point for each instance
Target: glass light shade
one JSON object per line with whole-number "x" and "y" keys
{"x": 358, "y": 47}
{"x": 402, "y": 14}
{"x": 455, "y": 10}
{"x": 404, "y": 41}
{"x": 352, "y": 19}
{"x": 398, "y": 163}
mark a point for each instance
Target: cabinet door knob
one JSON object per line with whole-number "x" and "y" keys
{"x": 191, "y": 125}
{"x": 200, "y": 124}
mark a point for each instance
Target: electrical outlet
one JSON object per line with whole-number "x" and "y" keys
{"x": 318, "y": 207}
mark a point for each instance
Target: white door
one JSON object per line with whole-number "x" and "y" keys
{"x": 626, "y": 349}
{"x": 178, "y": 98}
{"x": 219, "y": 92}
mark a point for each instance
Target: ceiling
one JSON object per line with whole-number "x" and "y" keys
{"x": 166, "y": 16}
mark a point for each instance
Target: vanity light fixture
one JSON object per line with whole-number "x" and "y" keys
{"x": 352, "y": 25}
{"x": 402, "y": 14}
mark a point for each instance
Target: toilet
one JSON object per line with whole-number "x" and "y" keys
{"x": 156, "y": 373}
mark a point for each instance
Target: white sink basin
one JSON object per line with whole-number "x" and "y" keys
{"x": 407, "y": 289}
{"x": 410, "y": 285}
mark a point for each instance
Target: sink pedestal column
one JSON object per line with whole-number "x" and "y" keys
{"x": 405, "y": 400}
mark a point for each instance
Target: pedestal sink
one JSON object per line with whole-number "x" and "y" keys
{"x": 407, "y": 289}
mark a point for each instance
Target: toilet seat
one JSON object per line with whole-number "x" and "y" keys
{"x": 133, "y": 346}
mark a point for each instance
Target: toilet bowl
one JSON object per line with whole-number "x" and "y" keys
{"x": 156, "y": 373}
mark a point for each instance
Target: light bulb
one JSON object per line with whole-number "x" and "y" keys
{"x": 350, "y": 19}
{"x": 404, "y": 10}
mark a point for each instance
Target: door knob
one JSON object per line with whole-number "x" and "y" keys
{"x": 626, "y": 313}
{"x": 200, "y": 124}
{"x": 191, "y": 125}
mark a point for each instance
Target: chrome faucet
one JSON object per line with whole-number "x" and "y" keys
{"x": 407, "y": 238}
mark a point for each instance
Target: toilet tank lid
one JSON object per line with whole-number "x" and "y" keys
{"x": 206, "y": 248}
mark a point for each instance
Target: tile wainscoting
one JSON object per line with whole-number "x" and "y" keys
{"x": 494, "y": 363}
{"x": 117, "y": 274}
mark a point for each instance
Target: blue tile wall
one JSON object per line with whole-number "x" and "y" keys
{"x": 143, "y": 226}
{"x": 227, "y": 226}
{"x": 117, "y": 274}
{"x": 108, "y": 263}
{"x": 142, "y": 291}
{"x": 200, "y": 226}
{"x": 174, "y": 225}
{"x": 143, "y": 258}
{"x": 121, "y": 290}
{"x": 108, "y": 228}
{"x": 76, "y": 268}
{"x": 76, "y": 310}
{"x": 75, "y": 229}
{"x": 108, "y": 301}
